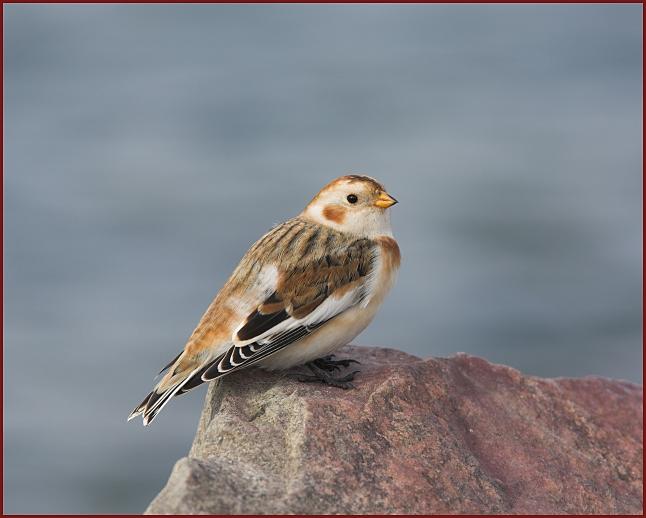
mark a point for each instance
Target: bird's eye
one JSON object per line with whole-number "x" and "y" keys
{"x": 352, "y": 198}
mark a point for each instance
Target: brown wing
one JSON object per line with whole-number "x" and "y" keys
{"x": 304, "y": 286}
{"x": 289, "y": 313}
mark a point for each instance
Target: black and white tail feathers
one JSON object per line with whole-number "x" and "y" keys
{"x": 180, "y": 379}
{"x": 173, "y": 384}
{"x": 177, "y": 383}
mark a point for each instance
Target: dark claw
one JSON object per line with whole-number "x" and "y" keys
{"x": 327, "y": 363}
{"x": 326, "y": 366}
{"x": 321, "y": 371}
{"x": 344, "y": 382}
{"x": 346, "y": 363}
{"x": 305, "y": 378}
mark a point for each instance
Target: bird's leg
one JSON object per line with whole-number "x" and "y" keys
{"x": 323, "y": 375}
{"x": 329, "y": 364}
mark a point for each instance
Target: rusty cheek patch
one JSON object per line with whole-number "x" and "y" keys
{"x": 334, "y": 213}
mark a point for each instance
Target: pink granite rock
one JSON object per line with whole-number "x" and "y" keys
{"x": 456, "y": 435}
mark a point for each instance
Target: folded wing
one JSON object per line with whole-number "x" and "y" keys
{"x": 307, "y": 296}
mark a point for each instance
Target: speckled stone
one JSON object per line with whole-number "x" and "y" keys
{"x": 455, "y": 435}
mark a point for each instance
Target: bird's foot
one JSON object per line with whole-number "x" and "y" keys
{"x": 329, "y": 364}
{"x": 322, "y": 375}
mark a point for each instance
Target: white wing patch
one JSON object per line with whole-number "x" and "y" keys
{"x": 329, "y": 308}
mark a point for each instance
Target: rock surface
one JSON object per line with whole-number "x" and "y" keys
{"x": 456, "y": 435}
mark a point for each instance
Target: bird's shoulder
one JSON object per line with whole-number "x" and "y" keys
{"x": 299, "y": 245}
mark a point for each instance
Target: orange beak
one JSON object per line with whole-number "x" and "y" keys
{"x": 385, "y": 200}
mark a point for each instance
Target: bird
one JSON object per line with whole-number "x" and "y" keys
{"x": 306, "y": 288}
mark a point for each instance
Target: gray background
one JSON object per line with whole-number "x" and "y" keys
{"x": 148, "y": 146}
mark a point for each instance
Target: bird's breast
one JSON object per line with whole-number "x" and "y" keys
{"x": 388, "y": 261}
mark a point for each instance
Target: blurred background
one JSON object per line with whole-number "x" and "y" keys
{"x": 146, "y": 147}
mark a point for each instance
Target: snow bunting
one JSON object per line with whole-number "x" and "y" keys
{"x": 304, "y": 289}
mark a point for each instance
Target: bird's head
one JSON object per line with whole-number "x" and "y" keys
{"x": 354, "y": 204}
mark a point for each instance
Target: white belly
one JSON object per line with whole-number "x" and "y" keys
{"x": 336, "y": 333}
